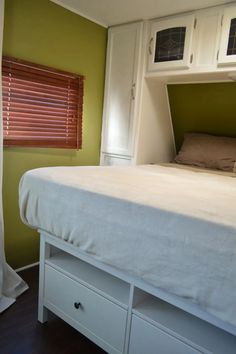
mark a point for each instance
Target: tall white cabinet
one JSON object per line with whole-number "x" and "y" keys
{"x": 123, "y": 63}
{"x": 131, "y": 134}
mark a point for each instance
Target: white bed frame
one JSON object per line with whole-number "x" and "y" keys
{"x": 121, "y": 313}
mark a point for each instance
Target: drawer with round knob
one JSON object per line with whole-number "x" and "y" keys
{"x": 98, "y": 318}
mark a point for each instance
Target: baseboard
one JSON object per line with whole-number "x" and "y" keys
{"x": 27, "y": 267}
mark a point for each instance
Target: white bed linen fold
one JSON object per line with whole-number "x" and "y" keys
{"x": 174, "y": 228}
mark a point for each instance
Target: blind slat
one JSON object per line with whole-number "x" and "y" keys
{"x": 40, "y": 80}
{"x": 14, "y": 120}
{"x": 17, "y": 81}
{"x": 21, "y": 126}
{"x": 43, "y": 103}
{"x": 7, "y": 96}
{"x": 45, "y": 112}
{"x": 28, "y": 107}
{"x": 40, "y": 134}
{"x": 56, "y": 143}
{"x": 33, "y": 116}
{"x": 52, "y": 140}
{"x": 29, "y": 90}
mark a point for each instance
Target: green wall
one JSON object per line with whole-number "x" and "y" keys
{"x": 45, "y": 33}
{"x": 209, "y": 108}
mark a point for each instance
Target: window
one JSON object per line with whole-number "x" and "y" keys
{"x": 170, "y": 44}
{"x": 42, "y": 107}
{"x": 231, "y": 50}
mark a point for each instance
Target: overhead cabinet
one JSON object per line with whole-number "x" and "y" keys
{"x": 141, "y": 58}
{"x": 206, "y": 39}
{"x": 170, "y": 43}
{"x": 198, "y": 42}
{"x": 227, "y": 53}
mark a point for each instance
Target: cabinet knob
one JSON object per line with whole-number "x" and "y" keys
{"x": 77, "y": 305}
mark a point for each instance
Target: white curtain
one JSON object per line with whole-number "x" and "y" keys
{"x": 11, "y": 285}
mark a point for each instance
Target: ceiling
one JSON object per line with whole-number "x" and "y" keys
{"x": 112, "y": 12}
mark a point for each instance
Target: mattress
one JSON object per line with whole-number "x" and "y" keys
{"x": 173, "y": 227}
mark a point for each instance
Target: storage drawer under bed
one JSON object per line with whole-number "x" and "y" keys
{"x": 93, "y": 315}
{"x": 149, "y": 339}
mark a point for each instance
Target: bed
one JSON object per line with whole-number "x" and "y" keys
{"x": 166, "y": 233}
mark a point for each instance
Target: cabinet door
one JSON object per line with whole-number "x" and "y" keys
{"x": 227, "y": 52}
{"x": 148, "y": 339}
{"x": 170, "y": 43}
{"x": 206, "y": 38}
{"x": 85, "y": 310}
{"x": 120, "y": 88}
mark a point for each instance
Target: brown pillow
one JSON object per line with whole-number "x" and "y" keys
{"x": 209, "y": 151}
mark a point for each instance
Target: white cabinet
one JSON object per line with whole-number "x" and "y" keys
{"x": 121, "y": 89}
{"x": 206, "y": 39}
{"x": 170, "y": 43}
{"x": 88, "y": 299}
{"x": 85, "y": 308}
{"x": 208, "y": 52}
{"x": 227, "y": 53}
{"x": 136, "y": 120}
{"x": 160, "y": 328}
{"x": 141, "y": 59}
{"x": 117, "y": 311}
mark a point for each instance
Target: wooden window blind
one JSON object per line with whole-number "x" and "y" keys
{"x": 42, "y": 107}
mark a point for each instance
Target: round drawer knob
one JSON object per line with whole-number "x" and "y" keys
{"x": 77, "y": 305}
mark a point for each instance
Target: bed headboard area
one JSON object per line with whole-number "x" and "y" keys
{"x": 208, "y": 108}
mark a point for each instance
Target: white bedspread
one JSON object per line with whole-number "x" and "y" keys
{"x": 174, "y": 228}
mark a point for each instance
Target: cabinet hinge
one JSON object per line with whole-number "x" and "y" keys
{"x": 222, "y": 17}
{"x": 150, "y": 46}
{"x": 133, "y": 92}
{"x": 195, "y": 23}
{"x": 191, "y": 58}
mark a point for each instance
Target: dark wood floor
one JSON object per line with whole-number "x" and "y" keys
{"x": 21, "y": 333}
